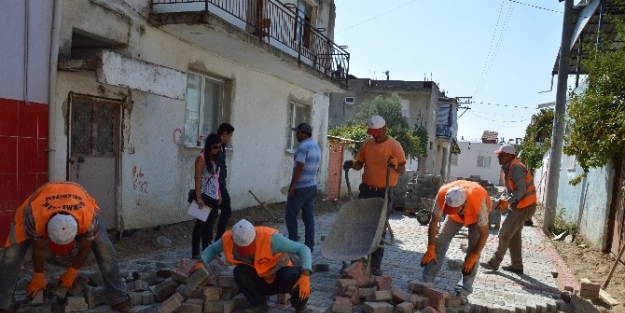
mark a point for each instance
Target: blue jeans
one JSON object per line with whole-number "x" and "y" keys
{"x": 449, "y": 229}
{"x": 303, "y": 198}
{"x": 102, "y": 249}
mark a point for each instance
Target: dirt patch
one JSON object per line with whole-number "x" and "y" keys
{"x": 585, "y": 261}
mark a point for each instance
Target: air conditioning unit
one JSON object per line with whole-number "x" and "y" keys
{"x": 350, "y": 100}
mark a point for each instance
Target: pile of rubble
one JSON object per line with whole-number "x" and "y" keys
{"x": 415, "y": 191}
{"x": 185, "y": 289}
{"x": 359, "y": 293}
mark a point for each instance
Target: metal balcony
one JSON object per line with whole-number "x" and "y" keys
{"x": 280, "y": 25}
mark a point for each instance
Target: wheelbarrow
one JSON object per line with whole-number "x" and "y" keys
{"x": 357, "y": 230}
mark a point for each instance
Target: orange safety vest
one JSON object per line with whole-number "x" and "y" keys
{"x": 52, "y": 198}
{"x": 529, "y": 197}
{"x": 475, "y": 195}
{"x": 266, "y": 264}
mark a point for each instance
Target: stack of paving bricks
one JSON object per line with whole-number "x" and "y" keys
{"x": 360, "y": 293}
{"x": 409, "y": 177}
{"x": 184, "y": 289}
{"x": 490, "y": 187}
{"x": 589, "y": 290}
{"x": 420, "y": 191}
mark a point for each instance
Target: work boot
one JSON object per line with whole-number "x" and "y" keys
{"x": 259, "y": 308}
{"x": 512, "y": 269}
{"x": 489, "y": 266}
{"x": 529, "y": 222}
{"x": 124, "y": 307}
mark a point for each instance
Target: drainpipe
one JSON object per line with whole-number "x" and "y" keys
{"x": 54, "y": 58}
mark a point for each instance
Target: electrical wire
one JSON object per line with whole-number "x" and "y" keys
{"x": 500, "y": 121}
{"x": 489, "y": 63}
{"x": 535, "y": 6}
{"x": 490, "y": 47}
{"x": 377, "y": 16}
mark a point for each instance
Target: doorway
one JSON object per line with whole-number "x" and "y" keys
{"x": 93, "y": 150}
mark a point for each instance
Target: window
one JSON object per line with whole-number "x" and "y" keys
{"x": 350, "y": 100}
{"x": 204, "y": 107}
{"x": 571, "y": 160}
{"x": 483, "y": 161}
{"x": 298, "y": 114}
{"x": 454, "y": 159}
{"x": 405, "y": 108}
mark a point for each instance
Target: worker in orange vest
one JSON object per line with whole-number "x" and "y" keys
{"x": 466, "y": 204}
{"x": 520, "y": 196}
{"x": 263, "y": 267}
{"x": 55, "y": 215}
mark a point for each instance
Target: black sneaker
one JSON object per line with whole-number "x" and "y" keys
{"x": 259, "y": 308}
{"x": 489, "y": 266}
{"x": 529, "y": 222}
{"x": 512, "y": 269}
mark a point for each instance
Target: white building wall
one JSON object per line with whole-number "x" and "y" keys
{"x": 467, "y": 162}
{"x": 259, "y": 160}
{"x": 13, "y": 54}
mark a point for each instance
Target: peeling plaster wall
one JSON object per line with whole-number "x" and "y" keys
{"x": 152, "y": 125}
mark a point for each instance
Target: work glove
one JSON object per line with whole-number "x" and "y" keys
{"x": 67, "y": 279}
{"x": 347, "y": 165}
{"x": 503, "y": 204}
{"x": 429, "y": 256}
{"x": 36, "y": 284}
{"x": 304, "y": 286}
{"x": 469, "y": 262}
{"x": 197, "y": 266}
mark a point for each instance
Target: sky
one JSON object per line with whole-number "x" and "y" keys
{"x": 500, "y": 52}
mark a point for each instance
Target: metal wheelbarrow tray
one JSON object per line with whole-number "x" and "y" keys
{"x": 357, "y": 230}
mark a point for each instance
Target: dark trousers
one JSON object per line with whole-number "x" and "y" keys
{"x": 255, "y": 288}
{"x": 203, "y": 230}
{"x": 367, "y": 192}
{"x": 224, "y": 213}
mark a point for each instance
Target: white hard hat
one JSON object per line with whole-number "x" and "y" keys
{"x": 455, "y": 197}
{"x": 243, "y": 233}
{"x": 62, "y": 229}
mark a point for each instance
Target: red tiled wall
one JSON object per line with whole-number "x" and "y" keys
{"x": 23, "y": 157}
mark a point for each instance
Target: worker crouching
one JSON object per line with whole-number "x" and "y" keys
{"x": 263, "y": 267}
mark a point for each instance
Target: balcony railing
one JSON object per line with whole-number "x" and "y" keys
{"x": 281, "y": 25}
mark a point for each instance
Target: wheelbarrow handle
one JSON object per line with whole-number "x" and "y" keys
{"x": 390, "y": 231}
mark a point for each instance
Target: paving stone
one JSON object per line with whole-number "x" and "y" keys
{"x": 357, "y": 272}
{"x": 352, "y": 292}
{"x": 138, "y": 285}
{"x": 219, "y": 306}
{"x": 227, "y": 293}
{"x": 226, "y": 281}
{"x": 165, "y": 289}
{"x": 75, "y": 304}
{"x": 183, "y": 270}
{"x": 28, "y": 308}
{"x": 345, "y": 282}
{"x": 200, "y": 277}
{"x": 211, "y": 293}
{"x": 420, "y": 302}
{"x": 377, "y": 307}
{"x": 419, "y": 286}
{"x": 383, "y": 282}
{"x": 171, "y": 304}
{"x": 365, "y": 292}
{"x": 399, "y": 295}
{"x": 148, "y": 276}
{"x": 95, "y": 296}
{"x": 191, "y": 306}
{"x": 78, "y": 288}
{"x": 382, "y": 295}
{"x": 342, "y": 305}
{"x": 405, "y": 307}
{"x": 283, "y": 298}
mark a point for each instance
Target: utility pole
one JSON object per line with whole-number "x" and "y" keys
{"x": 551, "y": 201}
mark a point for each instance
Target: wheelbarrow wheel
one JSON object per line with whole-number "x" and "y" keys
{"x": 423, "y": 216}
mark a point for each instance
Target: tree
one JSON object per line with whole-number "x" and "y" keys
{"x": 597, "y": 114}
{"x": 537, "y": 139}
{"x": 413, "y": 139}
